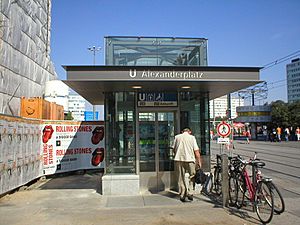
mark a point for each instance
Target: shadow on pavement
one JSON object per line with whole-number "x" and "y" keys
{"x": 241, "y": 213}
{"x": 75, "y": 180}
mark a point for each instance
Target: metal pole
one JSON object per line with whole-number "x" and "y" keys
{"x": 225, "y": 185}
{"x": 229, "y": 106}
{"x": 252, "y": 98}
{"x": 94, "y": 49}
{"x": 94, "y": 60}
{"x": 94, "y": 112}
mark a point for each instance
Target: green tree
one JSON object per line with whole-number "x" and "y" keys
{"x": 294, "y": 114}
{"x": 285, "y": 114}
{"x": 69, "y": 116}
{"x": 280, "y": 114}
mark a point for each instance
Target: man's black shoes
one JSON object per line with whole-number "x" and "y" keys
{"x": 182, "y": 199}
{"x": 190, "y": 197}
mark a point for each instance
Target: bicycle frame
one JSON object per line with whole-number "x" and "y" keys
{"x": 256, "y": 177}
{"x": 249, "y": 184}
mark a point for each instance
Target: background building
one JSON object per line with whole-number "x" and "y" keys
{"x": 218, "y": 107}
{"x": 77, "y": 106}
{"x": 25, "y": 64}
{"x": 58, "y": 92}
{"x": 293, "y": 80}
{"x": 154, "y": 51}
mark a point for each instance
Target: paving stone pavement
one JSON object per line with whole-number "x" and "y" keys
{"x": 75, "y": 199}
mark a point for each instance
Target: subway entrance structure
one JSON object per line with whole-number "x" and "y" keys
{"x": 151, "y": 88}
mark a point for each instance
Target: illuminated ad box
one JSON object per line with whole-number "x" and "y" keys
{"x": 157, "y": 99}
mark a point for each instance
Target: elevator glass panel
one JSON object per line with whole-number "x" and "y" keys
{"x": 156, "y": 134}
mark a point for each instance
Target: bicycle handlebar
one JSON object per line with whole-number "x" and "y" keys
{"x": 243, "y": 161}
{"x": 252, "y": 162}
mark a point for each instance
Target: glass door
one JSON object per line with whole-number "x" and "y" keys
{"x": 147, "y": 142}
{"x": 156, "y": 134}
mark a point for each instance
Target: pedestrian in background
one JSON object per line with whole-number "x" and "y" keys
{"x": 286, "y": 134}
{"x": 292, "y": 134}
{"x": 273, "y": 135}
{"x": 248, "y": 135}
{"x": 298, "y": 133}
{"x": 187, "y": 159}
{"x": 211, "y": 135}
{"x": 265, "y": 134}
{"x": 278, "y": 131}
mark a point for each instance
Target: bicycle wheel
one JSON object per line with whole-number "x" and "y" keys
{"x": 264, "y": 202}
{"x": 279, "y": 205}
{"x": 217, "y": 180}
{"x": 233, "y": 190}
{"x": 242, "y": 189}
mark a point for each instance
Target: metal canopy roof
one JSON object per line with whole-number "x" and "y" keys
{"x": 92, "y": 81}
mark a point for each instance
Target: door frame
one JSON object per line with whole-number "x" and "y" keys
{"x": 166, "y": 176}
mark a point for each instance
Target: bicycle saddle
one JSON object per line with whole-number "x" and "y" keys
{"x": 257, "y": 163}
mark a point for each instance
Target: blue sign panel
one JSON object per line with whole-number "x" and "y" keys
{"x": 88, "y": 116}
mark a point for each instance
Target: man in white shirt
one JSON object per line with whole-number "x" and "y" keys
{"x": 187, "y": 156}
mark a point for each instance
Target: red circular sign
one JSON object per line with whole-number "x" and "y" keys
{"x": 223, "y": 129}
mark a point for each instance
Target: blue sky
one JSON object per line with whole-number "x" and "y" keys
{"x": 239, "y": 33}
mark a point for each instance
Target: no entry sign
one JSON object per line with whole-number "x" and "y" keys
{"x": 223, "y": 129}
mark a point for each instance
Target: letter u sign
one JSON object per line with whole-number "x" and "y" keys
{"x": 132, "y": 73}
{"x": 142, "y": 97}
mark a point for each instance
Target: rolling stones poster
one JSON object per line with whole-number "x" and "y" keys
{"x": 70, "y": 145}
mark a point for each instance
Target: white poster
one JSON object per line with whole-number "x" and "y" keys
{"x": 68, "y": 145}
{"x": 20, "y": 152}
{"x": 3, "y": 129}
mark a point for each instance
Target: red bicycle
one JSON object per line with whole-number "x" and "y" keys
{"x": 257, "y": 190}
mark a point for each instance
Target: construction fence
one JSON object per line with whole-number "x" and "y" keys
{"x": 31, "y": 148}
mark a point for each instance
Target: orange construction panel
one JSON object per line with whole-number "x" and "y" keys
{"x": 56, "y": 111}
{"x": 36, "y": 107}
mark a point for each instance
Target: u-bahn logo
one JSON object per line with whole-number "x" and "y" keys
{"x": 132, "y": 73}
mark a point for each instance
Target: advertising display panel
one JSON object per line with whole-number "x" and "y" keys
{"x": 32, "y": 148}
{"x": 70, "y": 145}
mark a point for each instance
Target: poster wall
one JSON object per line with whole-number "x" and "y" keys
{"x": 69, "y": 145}
{"x": 20, "y": 155}
{"x": 32, "y": 148}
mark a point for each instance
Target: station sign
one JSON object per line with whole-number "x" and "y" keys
{"x": 157, "y": 99}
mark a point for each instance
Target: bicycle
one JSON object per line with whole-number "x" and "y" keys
{"x": 217, "y": 180}
{"x": 279, "y": 205}
{"x": 233, "y": 185}
{"x": 258, "y": 190}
